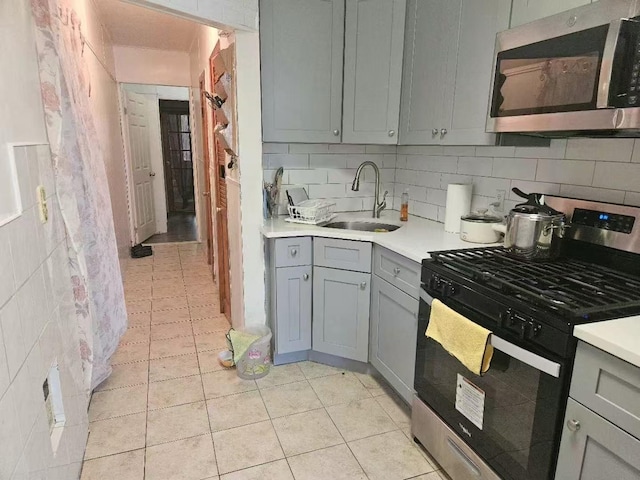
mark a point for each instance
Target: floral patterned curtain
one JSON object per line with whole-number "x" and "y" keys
{"x": 81, "y": 185}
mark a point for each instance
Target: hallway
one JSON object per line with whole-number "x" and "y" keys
{"x": 181, "y": 227}
{"x": 169, "y": 411}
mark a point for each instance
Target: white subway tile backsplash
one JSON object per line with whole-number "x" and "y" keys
{"x": 327, "y": 161}
{"x": 276, "y": 148}
{"x": 318, "y": 176}
{"x": 602, "y": 149}
{"x": 635, "y": 157}
{"x": 390, "y": 149}
{"x": 341, "y": 175}
{"x": 424, "y": 210}
{"x": 622, "y": 176}
{"x": 33, "y": 314}
{"x": 533, "y": 187}
{"x": 420, "y": 149}
{"x": 422, "y": 179}
{"x": 475, "y": 166}
{"x": 327, "y": 191}
{"x": 448, "y": 178}
{"x": 574, "y": 172}
{"x": 632, "y": 198}
{"x": 458, "y": 151}
{"x": 556, "y": 149}
{"x": 439, "y": 163}
{"x": 487, "y": 186}
{"x": 345, "y": 148}
{"x": 292, "y": 161}
{"x": 592, "y": 193}
{"x": 437, "y": 197}
{"x": 495, "y": 151}
{"x": 415, "y": 193}
{"x": 349, "y": 204}
{"x": 515, "y": 168}
{"x": 308, "y": 148}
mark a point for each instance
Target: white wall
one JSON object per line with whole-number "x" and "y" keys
{"x": 150, "y": 66}
{"x": 37, "y": 315}
{"x": 153, "y": 95}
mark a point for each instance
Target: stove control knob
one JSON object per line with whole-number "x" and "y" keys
{"x": 534, "y": 329}
{"x": 505, "y": 318}
{"x": 523, "y": 330}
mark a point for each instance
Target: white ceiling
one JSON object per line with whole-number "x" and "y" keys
{"x": 135, "y": 26}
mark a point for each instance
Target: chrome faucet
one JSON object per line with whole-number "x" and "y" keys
{"x": 378, "y": 205}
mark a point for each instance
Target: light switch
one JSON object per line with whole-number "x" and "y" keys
{"x": 42, "y": 203}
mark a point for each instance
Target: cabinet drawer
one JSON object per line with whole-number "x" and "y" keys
{"x": 342, "y": 254}
{"x": 608, "y": 386}
{"x": 397, "y": 270}
{"x": 291, "y": 252}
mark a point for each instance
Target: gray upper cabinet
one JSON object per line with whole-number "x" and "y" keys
{"x": 374, "y": 36}
{"x": 394, "y": 326}
{"x": 301, "y": 61}
{"x": 341, "y": 301}
{"x": 293, "y": 309}
{"x": 525, "y": 11}
{"x": 449, "y": 46}
{"x": 592, "y": 448}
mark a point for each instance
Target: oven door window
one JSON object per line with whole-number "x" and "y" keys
{"x": 519, "y": 416}
{"x": 556, "y": 75}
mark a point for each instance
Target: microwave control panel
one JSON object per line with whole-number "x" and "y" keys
{"x": 603, "y": 220}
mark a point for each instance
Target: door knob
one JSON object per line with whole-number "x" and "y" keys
{"x": 152, "y": 174}
{"x": 434, "y": 132}
{"x": 443, "y": 132}
{"x": 363, "y": 285}
{"x": 336, "y": 132}
{"x": 573, "y": 425}
{"x": 305, "y": 277}
{"x": 396, "y": 271}
{"x": 392, "y": 133}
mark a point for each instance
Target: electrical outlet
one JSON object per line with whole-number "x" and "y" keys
{"x": 499, "y": 203}
{"x": 42, "y": 204}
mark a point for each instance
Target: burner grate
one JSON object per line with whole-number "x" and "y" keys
{"x": 571, "y": 286}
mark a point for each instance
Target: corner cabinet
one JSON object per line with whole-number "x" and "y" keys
{"x": 301, "y": 49}
{"x": 448, "y": 58}
{"x": 293, "y": 308}
{"x": 305, "y": 44}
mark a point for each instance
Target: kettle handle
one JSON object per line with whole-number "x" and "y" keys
{"x": 520, "y": 193}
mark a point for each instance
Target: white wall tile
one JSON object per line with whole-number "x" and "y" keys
{"x": 632, "y": 198}
{"x": 475, "y": 166}
{"x": 459, "y": 150}
{"x": 276, "y": 148}
{"x": 421, "y": 179}
{"x": 573, "y": 172}
{"x": 622, "y": 176}
{"x": 415, "y": 192}
{"x": 308, "y": 148}
{"x": 424, "y": 210}
{"x": 327, "y": 191}
{"x": 448, "y": 178}
{"x": 349, "y": 204}
{"x": 344, "y": 148}
{"x": 495, "y": 151}
{"x": 437, "y": 197}
{"x": 10, "y": 435}
{"x": 635, "y": 156}
{"x": 420, "y": 149}
{"x": 515, "y": 168}
{"x": 431, "y": 163}
{"x": 276, "y": 160}
{"x": 341, "y": 175}
{"x": 33, "y": 314}
{"x": 317, "y": 176}
{"x": 23, "y": 238}
{"x": 592, "y": 193}
{"x": 487, "y": 186}
{"x": 13, "y": 338}
{"x": 5, "y": 379}
{"x": 327, "y": 161}
{"x": 556, "y": 149}
{"x": 603, "y": 149}
{"x": 391, "y": 149}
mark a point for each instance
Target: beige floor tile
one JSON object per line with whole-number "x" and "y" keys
{"x": 139, "y": 306}
{"x": 341, "y": 388}
{"x": 167, "y": 267}
{"x": 198, "y": 280}
{"x": 204, "y": 311}
{"x": 278, "y": 470}
{"x": 165, "y": 331}
{"x": 281, "y": 375}
{"x": 247, "y": 446}
{"x": 135, "y": 335}
{"x": 175, "y": 283}
{"x": 374, "y": 384}
{"x": 396, "y": 409}
{"x": 315, "y": 370}
{"x": 209, "y": 361}
{"x": 172, "y": 275}
{"x": 171, "y": 347}
{"x": 170, "y": 316}
{"x": 336, "y": 463}
{"x": 189, "y": 459}
{"x": 119, "y": 402}
{"x": 132, "y": 352}
{"x": 291, "y": 398}
{"x": 175, "y": 392}
{"x": 139, "y": 319}
{"x": 137, "y": 295}
{"x": 389, "y": 456}
{"x": 360, "y": 419}
{"x": 123, "y": 466}
{"x": 201, "y": 290}
{"x": 176, "y": 423}
{"x": 236, "y": 410}
{"x": 116, "y": 435}
{"x": 225, "y": 382}
{"x": 126, "y": 375}
{"x": 171, "y": 303}
{"x": 211, "y": 341}
{"x": 169, "y": 292}
{"x": 205, "y": 300}
{"x": 173, "y": 367}
{"x": 433, "y": 476}
{"x": 306, "y": 432}
{"x": 207, "y": 325}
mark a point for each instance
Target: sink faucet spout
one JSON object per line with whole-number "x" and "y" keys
{"x": 378, "y": 205}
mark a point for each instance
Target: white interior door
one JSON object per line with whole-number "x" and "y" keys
{"x": 142, "y": 176}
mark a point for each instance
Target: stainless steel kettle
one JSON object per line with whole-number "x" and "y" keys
{"x": 533, "y": 230}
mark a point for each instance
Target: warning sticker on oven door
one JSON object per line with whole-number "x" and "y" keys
{"x": 470, "y": 401}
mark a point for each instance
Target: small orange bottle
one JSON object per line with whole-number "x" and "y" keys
{"x": 404, "y": 207}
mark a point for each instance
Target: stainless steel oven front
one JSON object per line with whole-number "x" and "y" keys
{"x": 501, "y": 425}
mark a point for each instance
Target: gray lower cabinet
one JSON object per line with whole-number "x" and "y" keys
{"x": 341, "y": 301}
{"x": 394, "y": 324}
{"x": 293, "y": 309}
{"x": 594, "y": 449}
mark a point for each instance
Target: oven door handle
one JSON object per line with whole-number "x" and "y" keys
{"x": 606, "y": 67}
{"x": 463, "y": 456}
{"x": 525, "y": 356}
{"x": 425, "y": 297}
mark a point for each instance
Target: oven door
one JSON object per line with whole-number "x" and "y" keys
{"x": 510, "y": 416}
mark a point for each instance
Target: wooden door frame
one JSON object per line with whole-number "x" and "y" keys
{"x": 207, "y": 177}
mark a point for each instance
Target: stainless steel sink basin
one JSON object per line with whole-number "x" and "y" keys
{"x": 364, "y": 226}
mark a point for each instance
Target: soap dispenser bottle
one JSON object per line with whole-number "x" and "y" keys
{"x": 404, "y": 207}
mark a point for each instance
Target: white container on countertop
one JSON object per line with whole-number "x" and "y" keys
{"x": 458, "y": 205}
{"x": 480, "y": 227}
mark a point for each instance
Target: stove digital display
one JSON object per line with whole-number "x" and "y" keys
{"x": 606, "y": 221}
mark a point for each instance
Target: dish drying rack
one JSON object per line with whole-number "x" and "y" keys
{"x": 311, "y": 212}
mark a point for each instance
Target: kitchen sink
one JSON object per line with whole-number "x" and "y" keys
{"x": 364, "y": 226}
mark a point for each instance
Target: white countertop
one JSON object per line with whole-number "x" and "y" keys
{"x": 620, "y": 337}
{"x": 414, "y": 240}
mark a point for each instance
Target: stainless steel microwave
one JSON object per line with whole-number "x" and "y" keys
{"x": 576, "y": 73}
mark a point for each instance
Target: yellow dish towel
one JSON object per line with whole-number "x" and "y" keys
{"x": 462, "y": 338}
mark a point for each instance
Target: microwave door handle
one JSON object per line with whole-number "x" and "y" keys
{"x": 525, "y": 356}
{"x": 606, "y": 67}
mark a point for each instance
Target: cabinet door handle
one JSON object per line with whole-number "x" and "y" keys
{"x": 396, "y": 271}
{"x": 392, "y": 133}
{"x": 363, "y": 285}
{"x": 435, "y": 132}
{"x": 305, "y": 277}
{"x": 294, "y": 252}
{"x": 443, "y": 132}
{"x": 336, "y": 132}
{"x": 573, "y": 425}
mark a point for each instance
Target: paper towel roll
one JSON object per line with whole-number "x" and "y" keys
{"x": 458, "y": 204}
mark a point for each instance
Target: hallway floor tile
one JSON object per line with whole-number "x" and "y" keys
{"x": 170, "y": 411}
